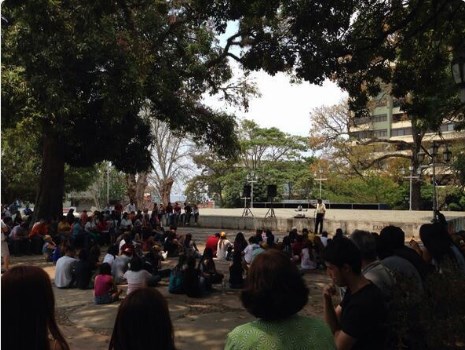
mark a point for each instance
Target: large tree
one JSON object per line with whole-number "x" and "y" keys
{"x": 360, "y": 44}
{"x": 82, "y": 70}
{"x": 274, "y": 156}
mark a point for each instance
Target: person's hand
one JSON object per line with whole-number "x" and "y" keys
{"x": 328, "y": 291}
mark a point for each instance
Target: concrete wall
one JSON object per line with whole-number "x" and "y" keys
{"x": 411, "y": 229}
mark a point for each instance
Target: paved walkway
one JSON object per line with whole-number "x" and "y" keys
{"x": 198, "y": 323}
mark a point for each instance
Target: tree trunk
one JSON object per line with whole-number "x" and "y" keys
{"x": 165, "y": 190}
{"x": 131, "y": 187}
{"x": 49, "y": 200}
{"x": 141, "y": 185}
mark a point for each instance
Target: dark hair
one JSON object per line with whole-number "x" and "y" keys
{"x": 136, "y": 264}
{"x": 28, "y": 310}
{"x": 83, "y": 255}
{"x": 142, "y": 313}
{"x": 366, "y": 242}
{"x": 113, "y": 249}
{"x": 275, "y": 289}
{"x": 438, "y": 242}
{"x": 343, "y": 251}
{"x": 105, "y": 269}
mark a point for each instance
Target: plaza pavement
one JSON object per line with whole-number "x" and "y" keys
{"x": 199, "y": 323}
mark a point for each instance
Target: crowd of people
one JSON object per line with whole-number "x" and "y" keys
{"x": 366, "y": 269}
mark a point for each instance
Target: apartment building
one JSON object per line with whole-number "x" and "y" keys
{"x": 388, "y": 121}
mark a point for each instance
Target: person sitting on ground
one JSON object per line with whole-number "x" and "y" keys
{"x": 193, "y": 284}
{"x": 251, "y": 251}
{"x": 136, "y": 276}
{"x": 111, "y": 254}
{"x": 391, "y": 242}
{"x": 275, "y": 292}
{"x": 48, "y": 248}
{"x": 28, "y": 311}
{"x": 372, "y": 268}
{"x": 440, "y": 248}
{"x": 190, "y": 247}
{"x": 152, "y": 263}
{"x": 84, "y": 270}
{"x": 223, "y": 245}
{"x": 286, "y": 246}
{"x": 297, "y": 247}
{"x": 358, "y": 322}
{"x": 105, "y": 291}
{"x": 307, "y": 260}
{"x": 120, "y": 265}
{"x": 126, "y": 223}
{"x": 208, "y": 269}
{"x": 240, "y": 243}
{"x": 171, "y": 245}
{"x": 64, "y": 229}
{"x": 324, "y": 238}
{"x": 5, "y": 250}
{"x": 236, "y": 271}
{"x": 212, "y": 242}
{"x": 64, "y": 268}
{"x": 18, "y": 238}
{"x": 143, "y": 322}
{"x": 38, "y": 231}
{"x": 268, "y": 242}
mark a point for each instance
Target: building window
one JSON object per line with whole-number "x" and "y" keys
{"x": 380, "y": 118}
{"x": 380, "y": 133}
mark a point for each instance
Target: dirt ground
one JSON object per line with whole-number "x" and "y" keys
{"x": 198, "y": 323}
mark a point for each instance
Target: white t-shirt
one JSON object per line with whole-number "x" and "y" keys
{"x": 324, "y": 241}
{"x": 222, "y": 248}
{"x": 136, "y": 279}
{"x": 248, "y": 252}
{"x": 108, "y": 258}
{"x": 63, "y": 276}
{"x": 306, "y": 263}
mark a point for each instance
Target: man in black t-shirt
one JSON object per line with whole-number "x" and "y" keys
{"x": 358, "y": 322}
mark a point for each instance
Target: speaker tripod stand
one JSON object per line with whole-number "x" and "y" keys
{"x": 270, "y": 212}
{"x": 246, "y": 211}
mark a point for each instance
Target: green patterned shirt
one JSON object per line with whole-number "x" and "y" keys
{"x": 295, "y": 332}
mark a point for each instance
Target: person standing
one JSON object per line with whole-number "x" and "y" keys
{"x": 320, "y": 211}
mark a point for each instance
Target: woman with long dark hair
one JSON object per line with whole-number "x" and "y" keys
{"x": 143, "y": 322}
{"x": 28, "y": 311}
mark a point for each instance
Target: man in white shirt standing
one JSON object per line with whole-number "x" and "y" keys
{"x": 320, "y": 215}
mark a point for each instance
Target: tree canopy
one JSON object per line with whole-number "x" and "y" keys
{"x": 84, "y": 70}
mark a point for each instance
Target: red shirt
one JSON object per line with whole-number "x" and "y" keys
{"x": 39, "y": 229}
{"x": 212, "y": 242}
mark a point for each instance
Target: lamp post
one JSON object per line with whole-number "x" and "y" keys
{"x": 320, "y": 179}
{"x": 251, "y": 179}
{"x": 410, "y": 177}
{"x": 433, "y": 153}
{"x": 458, "y": 71}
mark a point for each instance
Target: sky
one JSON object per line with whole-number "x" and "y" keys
{"x": 282, "y": 105}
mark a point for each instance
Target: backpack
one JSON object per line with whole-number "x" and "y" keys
{"x": 176, "y": 281}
